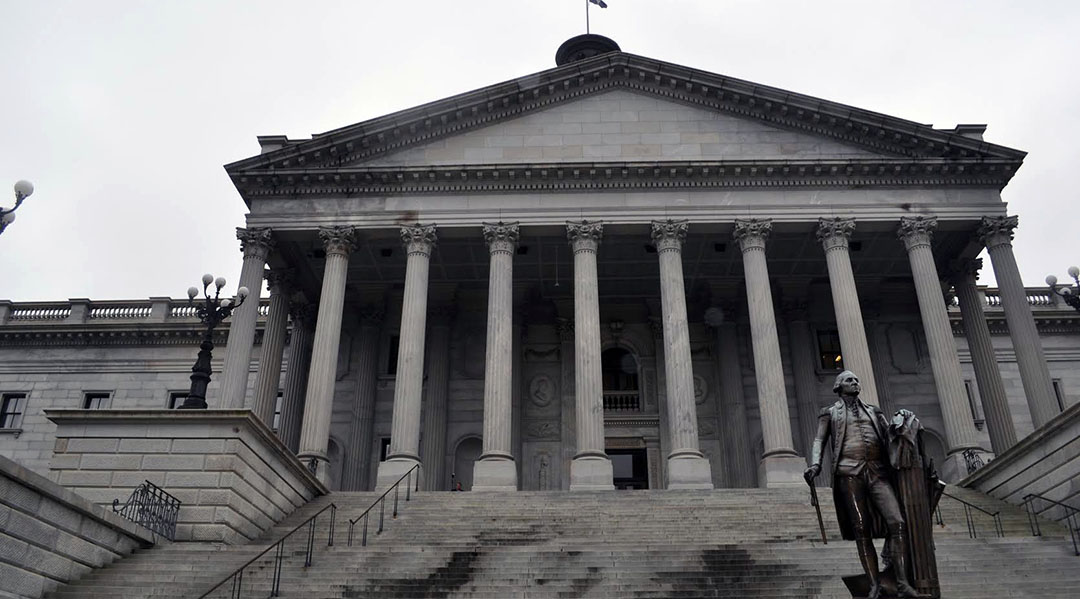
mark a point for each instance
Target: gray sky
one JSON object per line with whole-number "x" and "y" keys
{"x": 122, "y": 113}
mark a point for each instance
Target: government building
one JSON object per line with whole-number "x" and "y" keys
{"x": 616, "y": 273}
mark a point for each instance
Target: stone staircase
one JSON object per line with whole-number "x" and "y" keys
{"x": 723, "y": 543}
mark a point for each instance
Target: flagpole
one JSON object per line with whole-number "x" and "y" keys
{"x": 586, "y": 16}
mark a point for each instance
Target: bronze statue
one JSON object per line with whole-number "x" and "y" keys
{"x": 863, "y": 481}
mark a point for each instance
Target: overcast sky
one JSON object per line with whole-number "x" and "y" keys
{"x": 123, "y": 113}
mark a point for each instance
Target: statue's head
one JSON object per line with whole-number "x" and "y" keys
{"x": 847, "y": 384}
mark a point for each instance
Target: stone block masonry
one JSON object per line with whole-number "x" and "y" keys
{"x": 234, "y": 477}
{"x": 50, "y": 535}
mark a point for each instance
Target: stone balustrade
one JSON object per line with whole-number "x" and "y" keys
{"x": 622, "y": 401}
{"x": 82, "y": 311}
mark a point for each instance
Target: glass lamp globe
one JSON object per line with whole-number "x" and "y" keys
{"x": 192, "y": 292}
{"x": 24, "y": 188}
{"x": 219, "y": 282}
{"x": 1051, "y": 280}
{"x": 207, "y": 279}
{"x": 225, "y": 303}
{"x": 7, "y": 219}
{"x": 1074, "y": 271}
{"x": 242, "y": 292}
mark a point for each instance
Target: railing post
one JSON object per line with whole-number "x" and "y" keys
{"x": 397, "y": 487}
{"x": 310, "y": 542}
{"x": 408, "y": 485}
{"x": 382, "y": 514}
{"x": 333, "y": 516}
{"x": 276, "y": 587}
{"x": 1072, "y": 532}
{"x": 351, "y": 525}
{"x": 363, "y": 541}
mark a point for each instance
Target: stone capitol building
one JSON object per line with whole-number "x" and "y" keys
{"x": 615, "y": 273}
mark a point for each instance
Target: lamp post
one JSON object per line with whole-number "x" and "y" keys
{"x": 211, "y": 312}
{"x": 1071, "y": 295}
{"x": 23, "y": 190}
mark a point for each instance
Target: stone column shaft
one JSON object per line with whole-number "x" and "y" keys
{"x": 997, "y": 234}
{"x": 687, "y": 467}
{"x": 268, "y": 377}
{"x": 318, "y": 403}
{"x": 960, "y": 432}
{"x": 806, "y": 386}
{"x": 256, "y": 244}
{"x": 358, "y": 460}
{"x": 495, "y": 470}
{"x": 834, "y": 234}
{"x": 999, "y": 422}
{"x": 419, "y": 241}
{"x": 742, "y": 470}
{"x": 296, "y": 376}
{"x": 433, "y": 443}
{"x": 780, "y": 465}
{"x": 591, "y": 469}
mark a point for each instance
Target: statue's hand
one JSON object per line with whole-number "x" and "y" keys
{"x": 812, "y": 472}
{"x": 905, "y": 413}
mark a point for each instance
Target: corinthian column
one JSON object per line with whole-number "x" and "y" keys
{"x": 273, "y": 346}
{"x": 296, "y": 374}
{"x": 256, "y": 244}
{"x": 955, "y": 411}
{"x": 780, "y": 465}
{"x": 686, "y": 466}
{"x": 834, "y": 234}
{"x": 438, "y": 378}
{"x": 358, "y": 462}
{"x": 997, "y": 234}
{"x": 495, "y": 470}
{"x": 591, "y": 468}
{"x": 318, "y": 404}
{"x": 419, "y": 241}
{"x": 999, "y": 422}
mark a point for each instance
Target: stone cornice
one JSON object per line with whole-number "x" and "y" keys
{"x": 367, "y": 140}
{"x": 112, "y": 334}
{"x": 1058, "y": 322}
{"x": 604, "y": 176}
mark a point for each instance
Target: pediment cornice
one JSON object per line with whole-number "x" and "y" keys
{"x": 351, "y": 146}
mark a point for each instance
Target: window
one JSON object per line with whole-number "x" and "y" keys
{"x": 392, "y": 351}
{"x": 176, "y": 399}
{"x": 384, "y": 448}
{"x": 973, "y": 402}
{"x": 93, "y": 400}
{"x": 12, "y": 406}
{"x": 1059, "y": 392}
{"x": 277, "y": 413}
{"x": 829, "y": 350}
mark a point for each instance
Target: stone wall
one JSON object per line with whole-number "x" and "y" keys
{"x": 49, "y": 535}
{"x": 234, "y": 477}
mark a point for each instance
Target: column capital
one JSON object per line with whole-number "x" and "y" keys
{"x": 371, "y": 315}
{"x": 751, "y": 233}
{"x": 997, "y": 230}
{"x": 834, "y": 233}
{"x": 584, "y": 235}
{"x": 304, "y": 314}
{"x": 501, "y": 237}
{"x": 255, "y": 241}
{"x": 668, "y": 235}
{"x": 915, "y": 231}
{"x": 965, "y": 270}
{"x": 338, "y": 240}
{"x": 419, "y": 239}
{"x": 280, "y": 280}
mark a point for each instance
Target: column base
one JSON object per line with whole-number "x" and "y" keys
{"x": 592, "y": 473}
{"x": 393, "y": 469}
{"x": 494, "y": 474}
{"x": 955, "y": 467}
{"x": 317, "y": 465}
{"x": 689, "y": 472}
{"x": 781, "y": 470}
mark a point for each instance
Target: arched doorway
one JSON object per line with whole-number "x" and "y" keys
{"x": 466, "y": 454}
{"x": 619, "y": 371}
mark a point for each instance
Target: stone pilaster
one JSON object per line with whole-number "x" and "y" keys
{"x": 356, "y": 474}
{"x": 995, "y": 402}
{"x": 834, "y": 234}
{"x": 741, "y": 469}
{"x": 419, "y": 241}
{"x": 591, "y": 468}
{"x": 256, "y": 244}
{"x": 318, "y": 403}
{"x": 687, "y": 467}
{"x": 273, "y": 346}
{"x": 997, "y": 233}
{"x": 296, "y": 373}
{"x": 433, "y": 445}
{"x": 960, "y": 432}
{"x": 495, "y": 470}
{"x": 780, "y": 465}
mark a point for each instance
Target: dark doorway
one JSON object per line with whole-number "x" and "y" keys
{"x": 631, "y": 468}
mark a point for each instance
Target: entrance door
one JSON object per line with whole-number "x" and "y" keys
{"x": 468, "y": 451}
{"x": 631, "y": 468}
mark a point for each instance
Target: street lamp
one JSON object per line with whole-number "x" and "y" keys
{"x": 1071, "y": 295}
{"x": 211, "y": 312}
{"x": 23, "y": 190}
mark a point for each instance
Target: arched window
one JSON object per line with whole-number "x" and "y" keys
{"x": 619, "y": 371}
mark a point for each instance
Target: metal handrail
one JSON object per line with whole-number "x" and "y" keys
{"x": 1070, "y": 517}
{"x": 972, "y": 530}
{"x": 237, "y": 576}
{"x": 382, "y": 505}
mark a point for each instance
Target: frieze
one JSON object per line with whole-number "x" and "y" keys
{"x": 542, "y": 430}
{"x": 542, "y": 391}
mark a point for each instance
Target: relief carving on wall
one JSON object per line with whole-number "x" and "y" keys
{"x": 701, "y": 390}
{"x": 533, "y": 354}
{"x": 542, "y": 430}
{"x": 707, "y": 427}
{"x": 904, "y": 349}
{"x": 544, "y": 470}
{"x": 541, "y": 390}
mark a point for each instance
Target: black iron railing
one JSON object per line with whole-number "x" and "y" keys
{"x": 969, "y": 517}
{"x": 381, "y": 502}
{"x": 151, "y": 507}
{"x": 234, "y": 582}
{"x": 1070, "y": 519}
